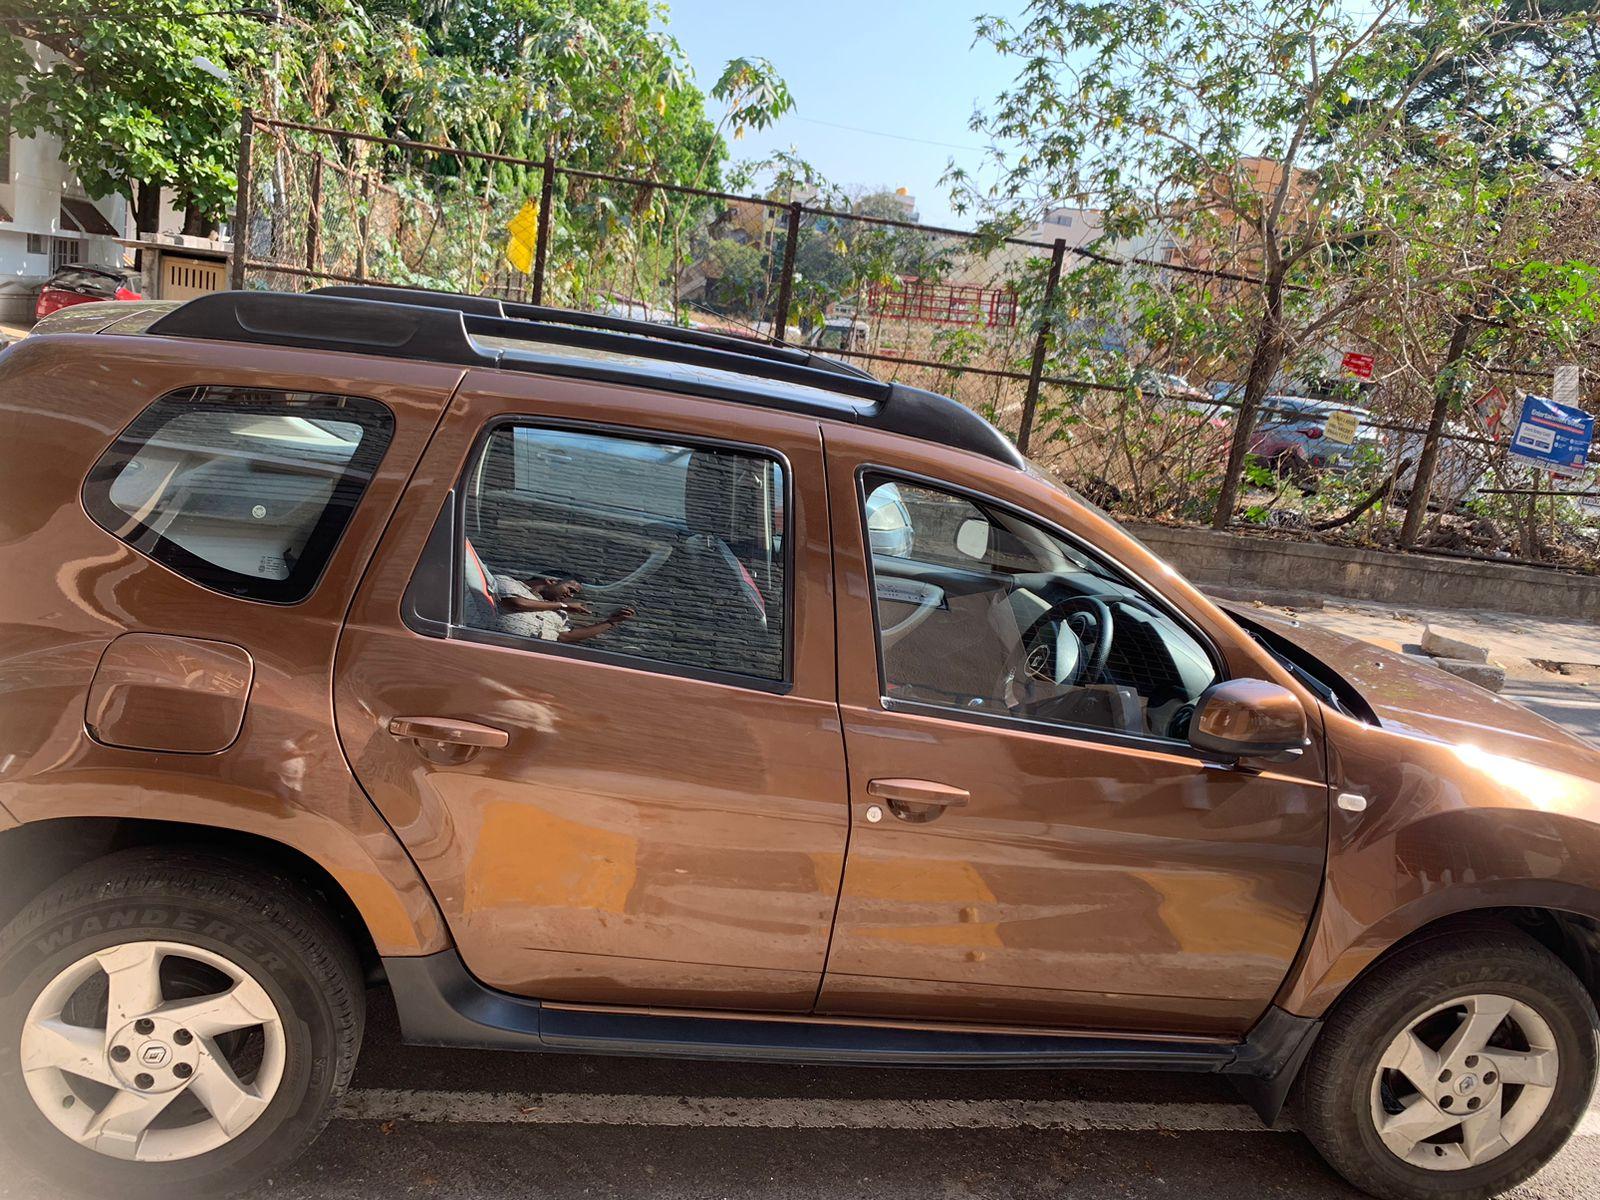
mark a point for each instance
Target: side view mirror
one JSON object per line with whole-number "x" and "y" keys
{"x": 1248, "y": 718}
{"x": 972, "y": 538}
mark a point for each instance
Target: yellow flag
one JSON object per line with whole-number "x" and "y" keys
{"x": 524, "y": 231}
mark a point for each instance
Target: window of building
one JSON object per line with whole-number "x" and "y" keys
{"x": 244, "y": 491}
{"x": 656, "y": 550}
{"x": 62, "y": 252}
{"x": 38, "y": 244}
{"x": 982, "y": 611}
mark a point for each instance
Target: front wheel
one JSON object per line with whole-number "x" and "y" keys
{"x": 173, "y": 1025}
{"x": 1455, "y": 1070}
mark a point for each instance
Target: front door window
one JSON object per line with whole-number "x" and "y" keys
{"x": 982, "y": 611}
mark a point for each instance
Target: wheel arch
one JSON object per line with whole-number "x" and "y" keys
{"x": 34, "y": 854}
{"x": 1565, "y": 918}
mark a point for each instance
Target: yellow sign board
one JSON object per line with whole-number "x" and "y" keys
{"x": 524, "y": 232}
{"x": 1340, "y": 427}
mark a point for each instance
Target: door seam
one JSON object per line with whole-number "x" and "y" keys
{"x": 338, "y": 651}
{"x": 838, "y": 710}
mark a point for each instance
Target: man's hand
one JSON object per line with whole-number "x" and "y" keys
{"x": 576, "y": 606}
{"x": 583, "y": 633}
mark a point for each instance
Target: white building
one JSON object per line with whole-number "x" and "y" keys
{"x": 47, "y": 220}
{"x": 1075, "y": 226}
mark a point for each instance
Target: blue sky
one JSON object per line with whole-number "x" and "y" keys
{"x": 878, "y": 67}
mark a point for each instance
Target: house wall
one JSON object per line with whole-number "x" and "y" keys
{"x": 31, "y": 194}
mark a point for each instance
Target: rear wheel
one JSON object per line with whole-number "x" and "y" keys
{"x": 1455, "y": 1070}
{"x": 172, "y": 1024}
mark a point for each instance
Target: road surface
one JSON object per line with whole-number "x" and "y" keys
{"x": 470, "y": 1125}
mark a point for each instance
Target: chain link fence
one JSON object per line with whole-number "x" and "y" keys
{"x": 1013, "y": 327}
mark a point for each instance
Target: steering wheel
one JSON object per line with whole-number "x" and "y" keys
{"x": 1057, "y": 662}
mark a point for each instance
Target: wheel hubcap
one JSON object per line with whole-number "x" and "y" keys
{"x": 1464, "y": 1082}
{"x": 153, "y": 1051}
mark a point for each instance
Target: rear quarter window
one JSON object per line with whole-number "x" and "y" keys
{"x": 243, "y": 491}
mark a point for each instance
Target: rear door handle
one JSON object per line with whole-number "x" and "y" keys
{"x": 918, "y": 800}
{"x": 449, "y": 731}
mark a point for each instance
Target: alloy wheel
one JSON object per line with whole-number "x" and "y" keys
{"x": 153, "y": 1051}
{"x": 1464, "y": 1082}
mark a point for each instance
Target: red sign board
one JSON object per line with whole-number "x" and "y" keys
{"x": 1359, "y": 365}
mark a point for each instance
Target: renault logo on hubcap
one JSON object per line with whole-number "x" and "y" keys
{"x": 1468, "y": 1082}
{"x": 154, "y": 1054}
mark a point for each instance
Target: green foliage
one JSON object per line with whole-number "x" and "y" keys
{"x": 150, "y": 93}
{"x": 754, "y": 92}
{"x": 138, "y": 93}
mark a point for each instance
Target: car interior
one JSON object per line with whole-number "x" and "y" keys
{"x": 981, "y": 610}
{"x": 686, "y": 536}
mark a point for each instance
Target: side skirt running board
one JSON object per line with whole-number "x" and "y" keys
{"x": 441, "y": 1004}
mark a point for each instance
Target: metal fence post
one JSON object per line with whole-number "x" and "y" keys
{"x": 1030, "y": 398}
{"x": 241, "y": 202}
{"x": 364, "y": 227}
{"x": 541, "y": 245}
{"x": 314, "y": 215}
{"x": 791, "y": 241}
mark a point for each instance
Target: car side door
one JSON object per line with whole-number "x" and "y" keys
{"x": 1031, "y": 850}
{"x": 641, "y": 803}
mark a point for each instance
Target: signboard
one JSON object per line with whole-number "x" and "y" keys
{"x": 1565, "y": 390}
{"x": 1359, "y": 365}
{"x": 1552, "y": 437}
{"x": 1340, "y": 427}
{"x": 1492, "y": 408}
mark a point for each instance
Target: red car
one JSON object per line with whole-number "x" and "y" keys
{"x": 80, "y": 283}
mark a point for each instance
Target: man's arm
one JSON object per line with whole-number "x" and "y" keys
{"x": 518, "y": 603}
{"x": 584, "y": 632}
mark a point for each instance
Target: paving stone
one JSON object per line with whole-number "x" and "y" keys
{"x": 1485, "y": 675}
{"x": 1443, "y": 642}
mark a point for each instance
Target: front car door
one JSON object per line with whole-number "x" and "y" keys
{"x": 647, "y": 810}
{"x": 1033, "y": 840}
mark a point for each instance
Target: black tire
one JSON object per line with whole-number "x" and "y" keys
{"x": 255, "y": 919}
{"x": 1334, "y": 1095}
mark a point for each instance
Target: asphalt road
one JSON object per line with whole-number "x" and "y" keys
{"x": 471, "y": 1125}
{"x": 1575, "y": 707}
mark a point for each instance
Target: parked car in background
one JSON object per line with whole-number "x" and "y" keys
{"x": 1460, "y": 470}
{"x": 1295, "y": 434}
{"x": 649, "y": 692}
{"x": 845, "y": 333}
{"x": 1172, "y": 388}
{"x": 81, "y": 283}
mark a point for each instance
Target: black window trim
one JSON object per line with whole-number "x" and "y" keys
{"x": 94, "y": 494}
{"x": 454, "y": 630}
{"x": 1062, "y": 729}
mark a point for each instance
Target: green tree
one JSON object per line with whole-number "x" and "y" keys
{"x": 1264, "y": 139}
{"x": 143, "y": 96}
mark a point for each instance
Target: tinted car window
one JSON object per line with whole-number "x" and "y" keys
{"x": 984, "y": 612}
{"x": 652, "y": 549}
{"x": 240, "y": 490}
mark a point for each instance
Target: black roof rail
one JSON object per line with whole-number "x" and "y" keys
{"x": 448, "y": 334}
{"x": 493, "y": 306}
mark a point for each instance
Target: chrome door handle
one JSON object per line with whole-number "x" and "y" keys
{"x": 918, "y": 800}
{"x": 450, "y": 732}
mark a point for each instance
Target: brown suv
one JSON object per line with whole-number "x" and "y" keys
{"x": 616, "y": 688}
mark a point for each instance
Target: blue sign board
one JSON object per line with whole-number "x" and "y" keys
{"x": 1553, "y": 437}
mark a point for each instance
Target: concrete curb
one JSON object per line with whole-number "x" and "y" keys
{"x": 1255, "y": 565}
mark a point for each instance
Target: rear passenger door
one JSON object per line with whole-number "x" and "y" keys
{"x": 652, "y": 813}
